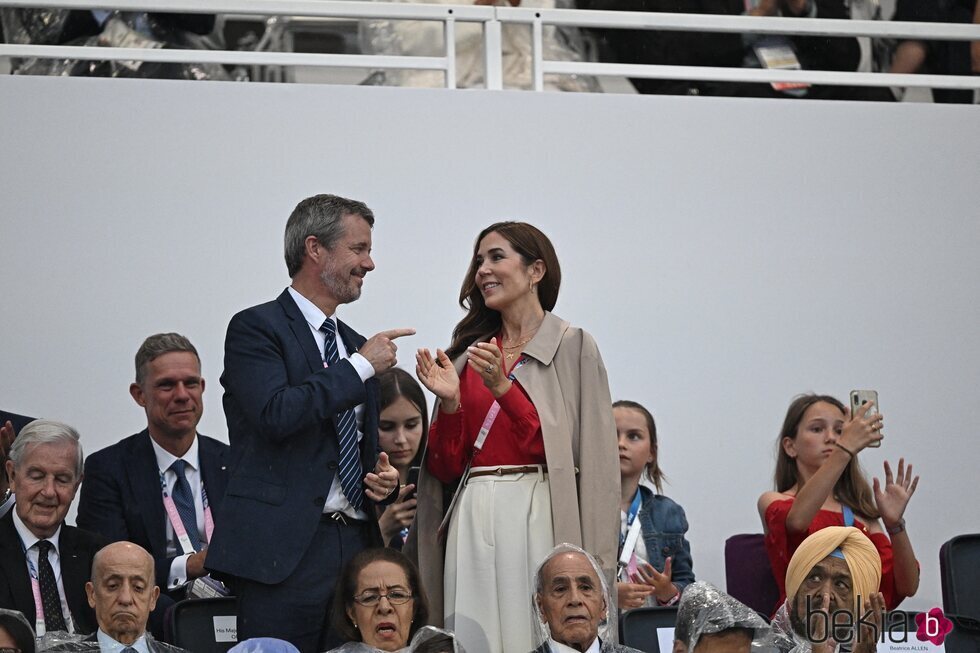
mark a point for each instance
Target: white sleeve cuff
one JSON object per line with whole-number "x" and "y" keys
{"x": 361, "y": 365}
{"x": 178, "y": 572}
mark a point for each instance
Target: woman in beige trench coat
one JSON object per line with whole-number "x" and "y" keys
{"x": 548, "y": 471}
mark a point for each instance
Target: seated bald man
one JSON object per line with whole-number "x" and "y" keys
{"x": 122, "y": 592}
{"x": 711, "y": 621}
{"x": 832, "y": 594}
{"x": 572, "y": 600}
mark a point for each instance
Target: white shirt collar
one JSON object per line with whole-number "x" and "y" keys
{"x": 311, "y": 312}
{"x": 165, "y": 459}
{"x": 561, "y": 648}
{"x": 30, "y": 539}
{"x": 108, "y": 645}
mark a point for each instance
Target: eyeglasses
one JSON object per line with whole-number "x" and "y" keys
{"x": 371, "y": 599}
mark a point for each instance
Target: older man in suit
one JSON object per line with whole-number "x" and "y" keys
{"x": 162, "y": 487}
{"x": 302, "y": 408}
{"x": 571, "y": 600}
{"x": 44, "y": 563}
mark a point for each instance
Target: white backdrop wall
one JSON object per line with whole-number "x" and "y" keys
{"x": 726, "y": 254}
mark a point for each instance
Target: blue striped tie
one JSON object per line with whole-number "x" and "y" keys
{"x": 350, "y": 458}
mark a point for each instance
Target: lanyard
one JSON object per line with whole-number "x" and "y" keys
{"x": 178, "y": 524}
{"x": 491, "y": 417}
{"x": 628, "y": 541}
{"x": 481, "y": 438}
{"x": 39, "y": 628}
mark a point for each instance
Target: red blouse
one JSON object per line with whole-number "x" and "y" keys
{"x": 781, "y": 544}
{"x": 514, "y": 439}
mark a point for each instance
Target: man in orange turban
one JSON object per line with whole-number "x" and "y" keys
{"x": 832, "y": 593}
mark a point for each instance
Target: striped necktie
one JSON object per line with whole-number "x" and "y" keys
{"x": 349, "y": 467}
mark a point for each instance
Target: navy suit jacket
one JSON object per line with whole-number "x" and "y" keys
{"x": 18, "y": 421}
{"x": 121, "y": 498}
{"x": 76, "y": 549}
{"x": 281, "y": 405}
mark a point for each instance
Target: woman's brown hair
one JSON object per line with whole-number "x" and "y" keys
{"x": 531, "y": 244}
{"x": 653, "y": 468}
{"x": 851, "y": 489}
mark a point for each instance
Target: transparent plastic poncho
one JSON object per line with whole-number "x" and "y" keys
{"x": 121, "y": 29}
{"x": 426, "y": 38}
{"x": 706, "y": 610}
{"x": 428, "y": 639}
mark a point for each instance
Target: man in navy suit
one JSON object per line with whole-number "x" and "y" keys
{"x": 123, "y": 497}
{"x": 302, "y": 408}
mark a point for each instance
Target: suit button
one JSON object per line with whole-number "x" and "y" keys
{"x": 319, "y": 501}
{"x": 666, "y": 550}
{"x": 331, "y": 465}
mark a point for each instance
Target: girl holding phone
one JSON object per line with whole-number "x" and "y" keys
{"x": 819, "y": 483}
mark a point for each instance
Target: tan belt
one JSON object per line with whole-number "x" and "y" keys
{"x": 506, "y": 471}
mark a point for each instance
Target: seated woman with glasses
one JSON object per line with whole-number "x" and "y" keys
{"x": 378, "y": 604}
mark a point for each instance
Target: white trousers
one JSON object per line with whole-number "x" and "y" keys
{"x": 500, "y": 532}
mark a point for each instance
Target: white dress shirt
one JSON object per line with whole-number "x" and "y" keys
{"x": 178, "y": 568}
{"x": 336, "y": 501}
{"x": 561, "y": 648}
{"x": 54, "y": 558}
{"x": 109, "y": 645}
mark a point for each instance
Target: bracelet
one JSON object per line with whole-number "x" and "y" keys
{"x": 849, "y": 452}
{"x": 897, "y": 528}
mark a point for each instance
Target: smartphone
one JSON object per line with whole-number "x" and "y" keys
{"x": 413, "y": 479}
{"x": 861, "y": 397}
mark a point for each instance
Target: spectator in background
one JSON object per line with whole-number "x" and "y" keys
{"x": 100, "y": 27}
{"x": 15, "y": 632}
{"x": 402, "y": 430}
{"x": 122, "y": 497}
{"x": 426, "y": 38}
{"x": 670, "y": 47}
{"x": 711, "y": 621}
{"x": 10, "y": 425}
{"x": 939, "y": 57}
{"x": 379, "y": 601}
{"x": 123, "y": 594}
{"x": 655, "y": 563}
{"x": 572, "y": 604}
{"x": 811, "y": 52}
{"x": 819, "y": 483}
{"x": 44, "y": 563}
{"x": 832, "y": 594}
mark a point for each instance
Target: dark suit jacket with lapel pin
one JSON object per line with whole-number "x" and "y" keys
{"x": 121, "y": 497}
{"x": 76, "y": 548}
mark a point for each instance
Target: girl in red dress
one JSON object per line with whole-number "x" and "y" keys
{"x": 819, "y": 483}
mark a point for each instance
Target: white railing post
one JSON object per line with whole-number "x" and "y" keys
{"x": 537, "y": 53}
{"x": 449, "y": 34}
{"x": 493, "y": 55}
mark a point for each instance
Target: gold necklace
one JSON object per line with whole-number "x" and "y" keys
{"x": 516, "y": 348}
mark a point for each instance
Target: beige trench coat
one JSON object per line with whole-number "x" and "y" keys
{"x": 566, "y": 381}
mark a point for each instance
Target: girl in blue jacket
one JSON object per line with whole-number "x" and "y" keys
{"x": 655, "y": 556}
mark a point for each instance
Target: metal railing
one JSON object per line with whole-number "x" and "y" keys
{"x": 492, "y": 19}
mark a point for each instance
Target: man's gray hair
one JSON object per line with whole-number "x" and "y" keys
{"x": 606, "y": 624}
{"x": 45, "y": 431}
{"x": 157, "y": 345}
{"x": 320, "y": 216}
